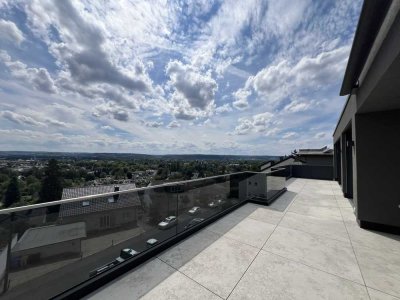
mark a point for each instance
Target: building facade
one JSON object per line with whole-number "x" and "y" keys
{"x": 103, "y": 213}
{"x": 367, "y": 136}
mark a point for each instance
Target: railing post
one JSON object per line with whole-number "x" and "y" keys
{"x": 7, "y": 269}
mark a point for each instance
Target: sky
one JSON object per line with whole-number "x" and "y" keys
{"x": 172, "y": 77}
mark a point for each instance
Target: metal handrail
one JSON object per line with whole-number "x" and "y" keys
{"x": 82, "y": 198}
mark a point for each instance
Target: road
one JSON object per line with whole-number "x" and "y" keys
{"x": 70, "y": 275}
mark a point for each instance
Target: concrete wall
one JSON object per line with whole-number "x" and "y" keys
{"x": 378, "y": 167}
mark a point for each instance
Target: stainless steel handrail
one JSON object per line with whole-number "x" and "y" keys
{"x": 71, "y": 200}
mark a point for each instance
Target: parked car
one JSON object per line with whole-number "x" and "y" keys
{"x": 126, "y": 253}
{"x": 151, "y": 242}
{"x": 168, "y": 222}
{"x": 194, "y": 222}
{"x": 195, "y": 210}
{"x": 216, "y": 203}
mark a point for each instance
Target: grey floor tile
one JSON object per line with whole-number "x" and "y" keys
{"x": 329, "y": 201}
{"x": 329, "y": 213}
{"x": 380, "y": 269}
{"x": 180, "y": 254}
{"x": 378, "y": 295}
{"x": 274, "y": 277}
{"x": 225, "y": 224}
{"x": 329, "y": 228}
{"x": 246, "y": 209}
{"x": 220, "y": 266}
{"x": 283, "y": 202}
{"x": 373, "y": 239}
{"x": 137, "y": 283}
{"x": 252, "y": 232}
{"x": 348, "y": 215}
{"x": 329, "y": 255}
{"x": 178, "y": 286}
{"x": 265, "y": 214}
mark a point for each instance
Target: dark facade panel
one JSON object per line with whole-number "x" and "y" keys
{"x": 378, "y": 167}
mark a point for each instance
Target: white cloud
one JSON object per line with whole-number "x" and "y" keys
{"x": 320, "y": 135}
{"x": 113, "y": 110}
{"x": 258, "y": 123}
{"x": 241, "y": 102}
{"x": 10, "y": 32}
{"x": 90, "y": 65}
{"x": 289, "y": 135}
{"x": 38, "y": 78}
{"x": 153, "y": 124}
{"x": 197, "y": 88}
{"x": 20, "y": 119}
{"x": 283, "y": 16}
{"x": 173, "y": 124}
{"x": 297, "y": 106}
{"x": 163, "y": 60}
{"x": 277, "y": 81}
{"x": 223, "y": 108}
{"x": 244, "y": 127}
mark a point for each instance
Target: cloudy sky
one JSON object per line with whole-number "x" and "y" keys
{"x": 226, "y": 77}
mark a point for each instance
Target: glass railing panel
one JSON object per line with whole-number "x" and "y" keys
{"x": 276, "y": 182}
{"x": 64, "y": 245}
{"x": 60, "y": 246}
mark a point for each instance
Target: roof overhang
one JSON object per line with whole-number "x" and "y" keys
{"x": 372, "y": 15}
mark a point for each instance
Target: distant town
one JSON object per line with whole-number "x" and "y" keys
{"x": 24, "y": 175}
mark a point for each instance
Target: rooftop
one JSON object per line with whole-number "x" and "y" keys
{"x": 97, "y": 204}
{"x": 48, "y": 235}
{"x": 322, "y": 151}
{"x": 306, "y": 245}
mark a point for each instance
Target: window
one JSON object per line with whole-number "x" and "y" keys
{"x": 85, "y": 203}
{"x": 104, "y": 221}
{"x": 255, "y": 183}
{"x": 249, "y": 182}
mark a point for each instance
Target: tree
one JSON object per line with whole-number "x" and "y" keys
{"x": 52, "y": 183}
{"x": 12, "y": 193}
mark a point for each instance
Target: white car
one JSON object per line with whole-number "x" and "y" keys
{"x": 126, "y": 253}
{"x": 194, "y": 210}
{"x": 216, "y": 203}
{"x": 168, "y": 222}
{"x": 193, "y": 222}
{"x": 151, "y": 242}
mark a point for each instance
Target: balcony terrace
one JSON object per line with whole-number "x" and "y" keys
{"x": 306, "y": 245}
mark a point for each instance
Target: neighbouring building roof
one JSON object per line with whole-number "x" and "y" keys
{"x": 48, "y": 235}
{"x": 322, "y": 151}
{"x": 288, "y": 160}
{"x": 97, "y": 204}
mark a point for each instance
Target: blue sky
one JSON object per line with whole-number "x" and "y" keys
{"x": 224, "y": 77}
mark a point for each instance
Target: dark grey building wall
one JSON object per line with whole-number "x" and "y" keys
{"x": 319, "y": 160}
{"x": 312, "y": 172}
{"x": 378, "y": 167}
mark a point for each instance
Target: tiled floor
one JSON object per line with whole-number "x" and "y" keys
{"x": 306, "y": 245}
